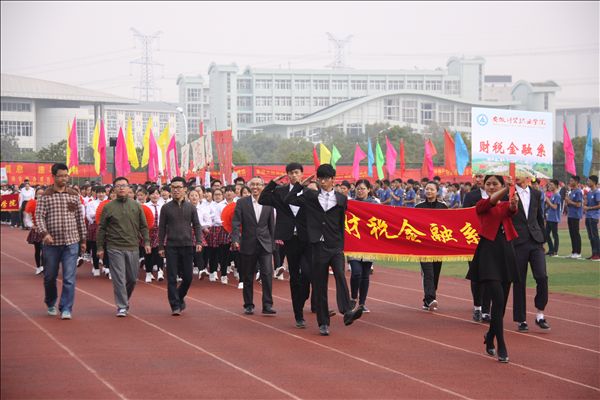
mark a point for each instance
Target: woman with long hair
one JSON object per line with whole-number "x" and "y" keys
{"x": 33, "y": 237}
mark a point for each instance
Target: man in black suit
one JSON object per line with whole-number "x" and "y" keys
{"x": 290, "y": 227}
{"x": 481, "y": 300}
{"x": 255, "y": 245}
{"x": 528, "y": 222}
{"x": 325, "y": 216}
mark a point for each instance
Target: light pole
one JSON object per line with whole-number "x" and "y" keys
{"x": 180, "y": 111}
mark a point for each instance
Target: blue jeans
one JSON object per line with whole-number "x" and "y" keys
{"x": 591, "y": 225}
{"x": 67, "y": 255}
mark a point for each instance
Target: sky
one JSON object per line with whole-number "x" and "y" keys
{"x": 91, "y": 44}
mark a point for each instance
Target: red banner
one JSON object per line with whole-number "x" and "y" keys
{"x": 410, "y": 234}
{"x": 9, "y": 202}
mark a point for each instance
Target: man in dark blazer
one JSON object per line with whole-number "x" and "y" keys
{"x": 481, "y": 300}
{"x": 528, "y": 222}
{"x": 325, "y": 217}
{"x": 290, "y": 227}
{"x": 253, "y": 234}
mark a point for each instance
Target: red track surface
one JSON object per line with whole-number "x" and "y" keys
{"x": 214, "y": 351}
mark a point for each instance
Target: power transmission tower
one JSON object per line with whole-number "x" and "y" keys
{"x": 146, "y": 88}
{"x": 339, "y": 48}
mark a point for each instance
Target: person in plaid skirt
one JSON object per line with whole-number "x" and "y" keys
{"x": 34, "y": 236}
{"x": 153, "y": 258}
{"x": 218, "y": 240}
{"x": 92, "y": 226}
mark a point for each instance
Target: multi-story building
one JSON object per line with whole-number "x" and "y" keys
{"x": 194, "y": 102}
{"x": 576, "y": 120}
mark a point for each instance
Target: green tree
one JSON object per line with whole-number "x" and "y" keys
{"x": 54, "y": 152}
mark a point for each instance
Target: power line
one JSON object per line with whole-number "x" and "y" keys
{"x": 70, "y": 60}
{"x": 146, "y": 62}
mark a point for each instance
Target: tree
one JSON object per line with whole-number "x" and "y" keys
{"x": 9, "y": 147}
{"x": 54, "y": 152}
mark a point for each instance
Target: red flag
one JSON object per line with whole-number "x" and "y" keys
{"x": 430, "y": 151}
{"x": 153, "y": 159}
{"x": 223, "y": 142}
{"x": 390, "y": 158}
{"x": 74, "y": 155}
{"x": 316, "y": 157}
{"x": 102, "y": 148}
{"x": 402, "y": 161}
{"x": 358, "y": 156}
{"x": 201, "y": 128}
{"x": 121, "y": 158}
{"x": 569, "y": 152}
{"x": 449, "y": 153}
{"x": 172, "y": 162}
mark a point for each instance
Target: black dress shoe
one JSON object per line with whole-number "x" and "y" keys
{"x": 542, "y": 324}
{"x": 502, "y": 355}
{"x": 489, "y": 347}
{"x": 249, "y": 310}
{"x": 300, "y": 324}
{"x": 486, "y": 317}
{"x": 523, "y": 327}
{"x": 477, "y": 315}
{"x": 351, "y": 316}
{"x": 269, "y": 311}
{"x": 324, "y": 330}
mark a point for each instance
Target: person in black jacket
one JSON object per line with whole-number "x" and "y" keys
{"x": 325, "y": 217}
{"x": 430, "y": 271}
{"x": 290, "y": 227}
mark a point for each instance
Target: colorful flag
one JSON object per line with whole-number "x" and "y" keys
{"x": 73, "y": 159}
{"x": 589, "y": 150}
{"x": 462, "y": 154}
{"x": 201, "y": 128}
{"x": 146, "y": 144}
{"x": 370, "y": 158}
{"x": 379, "y": 160}
{"x": 402, "y": 160}
{"x": 359, "y": 155}
{"x": 315, "y": 157}
{"x": 325, "y": 154}
{"x": 198, "y": 154}
{"x": 95, "y": 142}
{"x": 121, "y": 158}
{"x": 185, "y": 159}
{"x": 153, "y": 157}
{"x": 335, "y": 156}
{"x": 102, "y": 148}
{"x": 569, "y": 152}
{"x": 390, "y": 158}
{"x": 172, "y": 163}
{"x": 449, "y": 153}
{"x": 131, "y": 153}
{"x": 430, "y": 151}
{"x": 163, "y": 143}
{"x": 68, "y": 158}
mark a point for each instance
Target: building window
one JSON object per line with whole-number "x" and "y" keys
{"x": 193, "y": 110}
{"x": 427, "y": 113}
{"x": 320, "y": 84}
{"x": 164, "y": 120}
{"x": 299, "y": 115}
{"x": 244, "y": 118}
{"x": 228, "y": 82}
{"x": 391, "y": 109}
{"x": 414, "y": 84}
{"x": 283, "y": 117}
{"x": 263, "y": 117}
{"x": 263, "y": 101}
{"x": 194, "y": 94}
{"x": 451, "y": 87}
{"x": 339, "y": 85}
{"x": 205, "y": 98}
{"x": 18, "y": 128}
{"x": 377, "y": 85}
{"x": 409, "y": 111}
{"x": 446, "y": 114}
{"x": 358, "y": 85}
{"x": 301, "y": 84}
{"x": 283, "y": 84}
{"x": 193, "y": 127}
{"x": 244, "y": 84}
{"x": 228, "y": 103}
{"x": 16, "y": 106}
{"x": 434, "y": 86}
{"x": 545, "y": 101}
{"x": 335, "y": 100}
{"x": 320, "y": 101}
{"x": 297, "y": 134}
{"x": 301, "y": 101}
{"x": 263, "y": 84}
{"x": 463, "y": 117}
{"x": 395, "y": 85}
{"x": 244, "y": 102}
{"x": 111, "y": 122}
{"x": 283, "y": 101}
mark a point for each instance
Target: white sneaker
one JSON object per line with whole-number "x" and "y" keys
{"x": 212, "y": 277}
{"x": 279, "y": 272}
{"x": 224, "y": 280}
{"x": 258, "y": 276}
{"x": 95, "y": 272}
{"x": 229, "y": 269}
{"x": 575, "y": 255}
{"x": 154, "y": 268}
{"x": 106, "y": 271}
{"x": 149, "y": 277}
{"x": 109, "y": 277}
{"x": 160, "y": 276}
{"x": 196, "y": 271}
{"x": 179, "y": 279}
{"x": 241, "y": 285}
{"x": 236, "y": 275}
{"x": 39, "y": 270}
{"x": 202, "y": 273}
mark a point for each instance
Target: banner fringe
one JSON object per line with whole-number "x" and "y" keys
{"x": 408, "y": 257}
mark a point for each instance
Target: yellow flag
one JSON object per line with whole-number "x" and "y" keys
{"x": 130, "y": 144}
{"x": 95, "y": 142}
{"x": 325, "y": 154}
{"x": 68, "y": 148}
{"x": 146, "y": 144}
{"x": 163, "y": 143}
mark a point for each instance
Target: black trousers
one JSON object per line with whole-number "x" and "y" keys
{"x": 37, "y": 254}
{"x": 322, "y": 258}
{"x": 430, "y": 273}
{"x": 218, "y": 256}
{"x": 359, "y": 280}
{"x": 552, "y": 236}
{"x": 264, "y": 261}
{"x": 179, "y": 262}
{"x": 93, "y": 249}
{"x": 531, "y": 253}
{"x": 481, "y": 298}
{"x": 152, "y": 259}
{"x": 573, "y": 224}
{"x": 295, "y": 249}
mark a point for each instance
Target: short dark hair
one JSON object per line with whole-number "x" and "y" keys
{"x": 99, "y": 189}
{"x": 59, "y": 167}
{"x": 325, "y": 171}
{"x": 434, "y": 183}
{"x": 554, "y": 181}
{"x": 386, "y": 182}
{"x": 499, "y": 177}
{"x": 153, "y": 188}
{"x": 239, "y": 179}
{"x": 230, "y": 188}
{"x": 593, "y": 178}
{"x": 346, "y": 183}
{"x": 437, "y": 178}
{"x": 576, "y": 178}
{"x": 165, "y": 188}
{"x": 292, "y": 166}
{"x": 179, "y": 179}
{"x": 215, "y": 181}
{"x": 143, "y": 190}
{"x": 120, "y": 178}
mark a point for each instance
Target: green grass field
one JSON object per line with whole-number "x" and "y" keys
{"x": 580, "y": 277}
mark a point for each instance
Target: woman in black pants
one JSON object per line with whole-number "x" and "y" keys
{"x": 494, "y": 264}
{"x": 430, "y": 271}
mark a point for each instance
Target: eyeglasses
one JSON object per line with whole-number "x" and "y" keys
{"x": 122, "y": 186}
{"x": 176, "y": 187}
{"x": 361, "y": 188}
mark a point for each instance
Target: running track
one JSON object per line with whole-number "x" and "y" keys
{"x": 214, "y": 351}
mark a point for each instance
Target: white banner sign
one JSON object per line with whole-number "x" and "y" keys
{"x": 208, "y": 147}
{"x": 499, "y": 137}
{"x": 198, "y": 154}
{"x": 185, "y": 159}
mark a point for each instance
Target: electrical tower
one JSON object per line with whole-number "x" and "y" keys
{"x": 339, "y": 60}
{"x": 147, "y": 90}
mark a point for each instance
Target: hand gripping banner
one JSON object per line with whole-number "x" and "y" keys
{"x": 410, "y": 234}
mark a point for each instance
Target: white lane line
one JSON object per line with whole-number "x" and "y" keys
{"x": 174, "y": 336}
{"x": 65, "y": 348}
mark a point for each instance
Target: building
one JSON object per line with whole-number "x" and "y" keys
{"x": 37, "y": 111}
{"x": 576, "y": 120}
{"x": 194, "y": 102}
{"x": 497, "y": 87}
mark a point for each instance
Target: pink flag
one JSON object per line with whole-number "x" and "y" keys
{"x": 427, "y": 168}
{"x": 402, "y": 161}
{"x": 359, "y": 155}
{"x": 74, "y": 157}
{"x": 201, "y": 128}
{"x": 569, "y": 152}
{"x": 390, "y": 158}
{"x": 102, "y": 148}
{"x": 172, "y": 163}
{"x": 152, "y": 159}
{"x": 121, "y": 159}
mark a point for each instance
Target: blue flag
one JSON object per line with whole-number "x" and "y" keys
{"x": 462, "y": 154}
{"x": 370, "y": 159}
{"x": 587, "y": 154}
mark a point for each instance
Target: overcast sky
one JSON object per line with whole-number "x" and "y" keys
{"x": 91, "y": 44}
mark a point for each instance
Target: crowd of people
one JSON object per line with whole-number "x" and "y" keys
{"x": 177, "y": 231}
